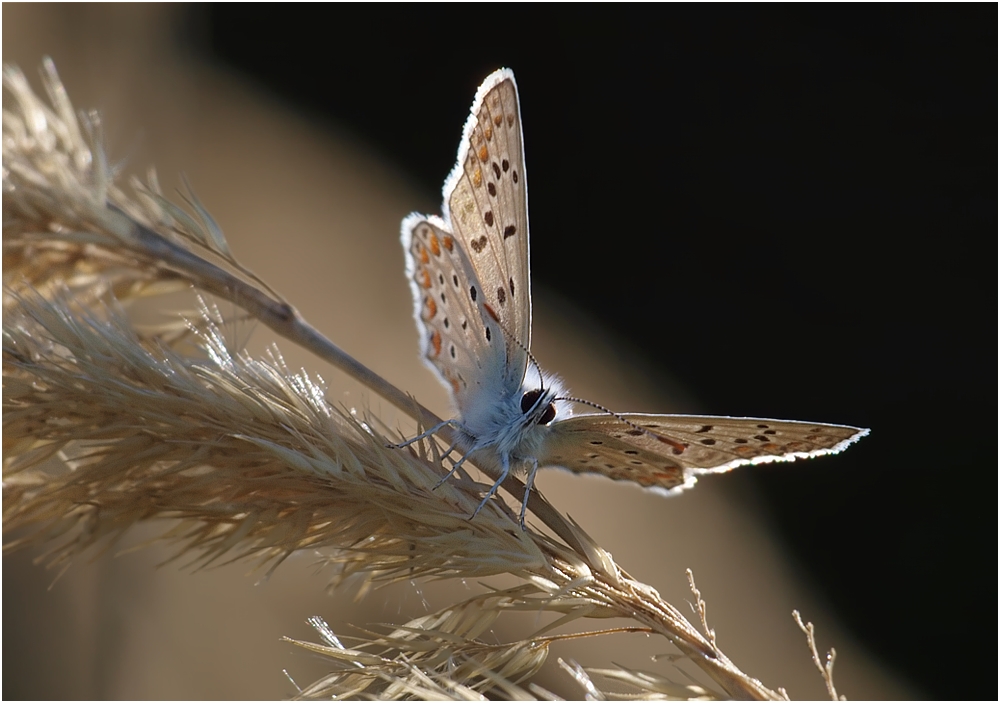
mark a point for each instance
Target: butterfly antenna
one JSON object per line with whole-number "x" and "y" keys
{"x": 608, "y": 411}
{"x": 518, "y": 342}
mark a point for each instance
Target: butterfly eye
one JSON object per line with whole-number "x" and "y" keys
{"x": 529, "y": 399}
{"x": 549, "y": 415}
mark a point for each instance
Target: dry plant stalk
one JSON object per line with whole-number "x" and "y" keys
{"x": 250, "y": 459}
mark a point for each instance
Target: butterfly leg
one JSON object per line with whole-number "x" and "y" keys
{"x": 428, "y": 433}
{"x": 453, "y": 468}
{"x": 450, "y": 449}
{"x": 529, "y": 482}
{"x": 500, "y": 479}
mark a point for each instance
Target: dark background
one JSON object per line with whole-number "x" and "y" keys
{"x": 791, "y": 208}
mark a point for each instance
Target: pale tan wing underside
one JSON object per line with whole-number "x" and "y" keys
{"x": 670, "y": 450}
{"x": 458, "y": 339}
{"x": 486, "y": 203}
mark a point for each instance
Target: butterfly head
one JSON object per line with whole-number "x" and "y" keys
{"x": 540, "y": 401}
{"x": 515, "y": 428}
{"x": 535, "y": 408}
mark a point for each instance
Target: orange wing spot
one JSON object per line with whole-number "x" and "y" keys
{"x": 455, "y": 387}
{"x": 425, "y": 278}
{"x": 492, "y": 312}
{"x": 771, "y": 447}
{"x": 435, "y": 247}
{"x": 746, "y": 450}
{"x": 449, "y": 243}
{"x": 488, "y": 132}
{"x": 432, "y": 308}
{"x": 498, "y": 120}
{"x": 477, "y": 177}
{"x": 484, "y": 153}
{"x": 436, "y": 343}
{"x": 423, "y": 256}
{"x": 670, "y": 477}
{"x": 510, "y": 120}
{"x": 678, "y": 447}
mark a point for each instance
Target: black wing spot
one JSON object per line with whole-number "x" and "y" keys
{"x": 705, "y": 428}
{"x": 473, "y": 293}
{"x": 489, "y": 337}
{"x": 709, "y": 442}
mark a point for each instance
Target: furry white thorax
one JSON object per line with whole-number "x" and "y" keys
{"x": 497, "y": 434}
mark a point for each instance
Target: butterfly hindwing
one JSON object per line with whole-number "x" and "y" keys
{"x": 582, "y": 445}
{"x": 458, "y": 339}
{"x": 667, "y": 451}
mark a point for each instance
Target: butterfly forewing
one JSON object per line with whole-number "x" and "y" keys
{"x": 486, "y": 205}
{"x": 667, "y": 451}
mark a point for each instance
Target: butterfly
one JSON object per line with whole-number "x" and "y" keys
{"x": 469, "y": 274}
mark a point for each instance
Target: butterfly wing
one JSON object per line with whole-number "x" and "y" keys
{"x": 459, "y": 340}
{"x": 669, "y": 451}
{"x": 486, "y": 207}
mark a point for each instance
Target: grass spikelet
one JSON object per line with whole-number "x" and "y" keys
{"x": 249, "y": 456}
{"x": 107, "y": 425}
